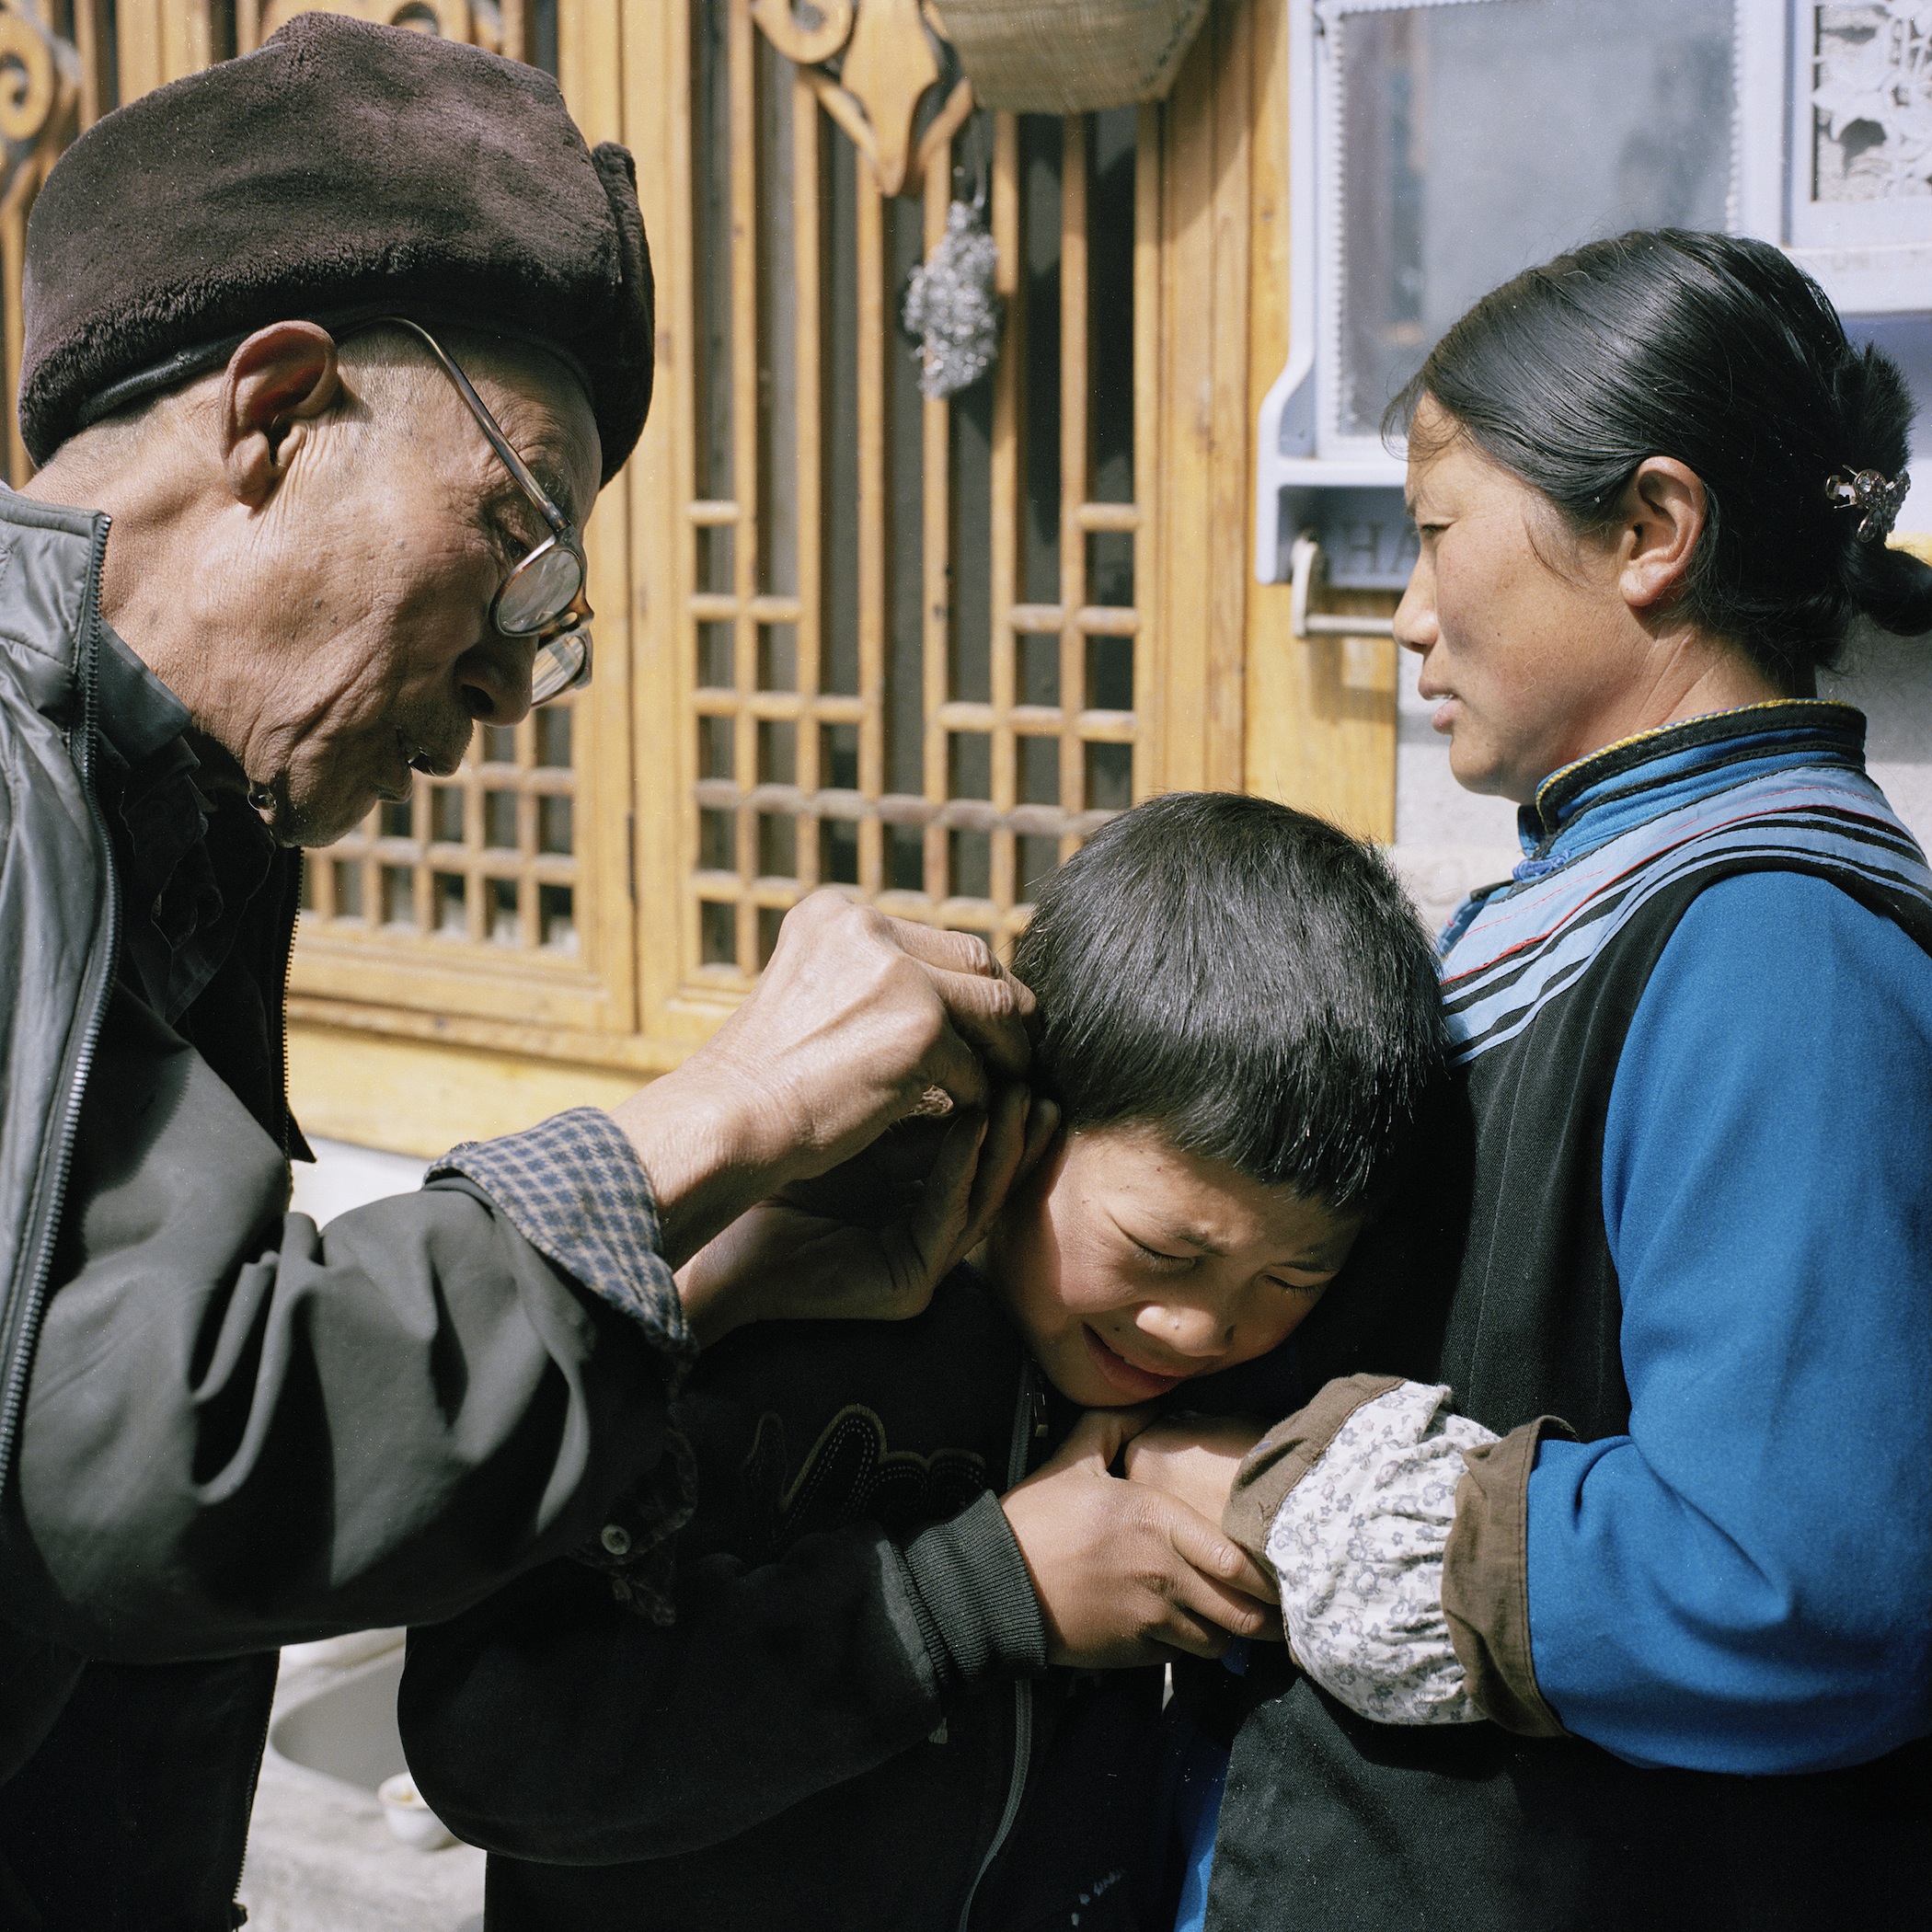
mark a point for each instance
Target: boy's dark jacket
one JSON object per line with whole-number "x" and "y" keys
{"x": 828, "y": 1734}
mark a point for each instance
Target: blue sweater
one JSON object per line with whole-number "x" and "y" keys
{"x": 1743, "y": 1582}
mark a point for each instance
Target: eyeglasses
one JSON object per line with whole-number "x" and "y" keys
{"x": 543, "y": 596}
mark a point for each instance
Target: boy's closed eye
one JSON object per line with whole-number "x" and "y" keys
{"x": 1306, "y": 1274}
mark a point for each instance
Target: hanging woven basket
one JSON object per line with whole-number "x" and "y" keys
{"x": 1069, "y": 56}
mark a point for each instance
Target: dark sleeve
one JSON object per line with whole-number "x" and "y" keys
{"x": 241, "y": 1432}
{"x": 553, "y": 1724}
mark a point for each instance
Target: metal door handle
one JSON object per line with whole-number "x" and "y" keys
{"x": 1307, "y": 566}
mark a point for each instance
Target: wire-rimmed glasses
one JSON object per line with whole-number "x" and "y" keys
{"x": 543, "y": 596}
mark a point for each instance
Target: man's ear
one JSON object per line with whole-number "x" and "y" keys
{"x": 282, "y": 377}
{"x": 1665, "y": 509}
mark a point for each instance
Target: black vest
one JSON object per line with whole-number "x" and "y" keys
{"x": 1333, "y": 1823}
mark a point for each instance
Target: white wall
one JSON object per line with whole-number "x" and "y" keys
{"x": 1448, "y": 841}
{"x": 345, "y": 1176}
{"x": 1890, "y": 679}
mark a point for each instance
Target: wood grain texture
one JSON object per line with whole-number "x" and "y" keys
{"x": 1205, "y": 422}
{"x": 675, "y": 1009}
{"x": 593, "y": 62}
{"x": 414, "y": 1096}
{"x": 1075, "y": 480}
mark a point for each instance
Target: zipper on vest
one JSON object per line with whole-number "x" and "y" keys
{"x": 237, "y": 1911}
{"x": 25, "y": 1334}
{"x": 1026, "y": 1418}
{"x": 281, "y": 1015}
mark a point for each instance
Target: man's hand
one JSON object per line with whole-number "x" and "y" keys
{"x": 853, "y": 1025}
{"x": 874, "y": 1238}
{"x": 1126, "y": 1574}
{"x": 1193, "y": 1458}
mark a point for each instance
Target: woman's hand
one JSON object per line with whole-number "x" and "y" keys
{"x": 873, "y": 1238}
{"x": 1193, "y": 1458}
{"x": 1125, "y": 1573}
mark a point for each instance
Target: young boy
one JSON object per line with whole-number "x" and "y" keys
{"x": 907, "y": 1675}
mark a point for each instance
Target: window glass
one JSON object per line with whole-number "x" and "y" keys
{"x": 1479, "y": 139}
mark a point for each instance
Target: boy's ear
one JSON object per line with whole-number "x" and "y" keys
{"x": 1043, "y": 1124}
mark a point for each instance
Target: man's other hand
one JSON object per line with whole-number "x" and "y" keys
{"x": 871, "y": 1239}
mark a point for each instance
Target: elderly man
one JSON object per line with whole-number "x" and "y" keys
{"x": 328, "y": 352}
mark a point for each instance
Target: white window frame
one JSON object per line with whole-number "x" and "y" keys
{"x": 1871, "y": 258}
{"x": 1880, "y": 262}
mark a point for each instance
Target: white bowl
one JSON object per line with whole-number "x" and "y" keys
{"x": 409, "y": 1818}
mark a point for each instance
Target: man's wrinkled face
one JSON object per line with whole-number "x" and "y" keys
{"x": 377, "y": 564}
{"x": 1129, "y": 1267}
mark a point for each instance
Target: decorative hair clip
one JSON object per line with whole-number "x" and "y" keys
{"x": 1876, "y": 498}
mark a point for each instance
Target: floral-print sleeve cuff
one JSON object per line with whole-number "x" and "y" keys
{"x": 1372, "y": 1505}
{"x": 573, "y": 1187}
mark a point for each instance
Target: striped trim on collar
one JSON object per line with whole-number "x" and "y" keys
{"x": 1714, "y": 739}
{"x": 1525, "y": 944}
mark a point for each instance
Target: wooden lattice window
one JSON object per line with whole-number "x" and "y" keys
{"x": 844, "y": 635}
{"x": 481, "y": 894}
{"x": 487, "y": 857}
{"x": 913, "y": 653}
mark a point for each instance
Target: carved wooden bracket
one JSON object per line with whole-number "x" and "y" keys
{"x": 34, "y": 83}
{"x": 888, "y": 65}
{"x": 39, "y": 97}
{"x": 816, "y": 36}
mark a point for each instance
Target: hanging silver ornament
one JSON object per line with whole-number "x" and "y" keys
{"x": 952, "y": 307}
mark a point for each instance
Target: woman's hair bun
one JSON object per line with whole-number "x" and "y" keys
{"x": 1874, "y": 410}
{"x": 1716, "y": 350}
{"x": 1890, "y": 586}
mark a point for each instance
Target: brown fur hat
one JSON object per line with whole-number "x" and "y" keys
{"x": 345, "y": 171}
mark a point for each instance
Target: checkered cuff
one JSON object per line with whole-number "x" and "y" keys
{"x": 573, "y": 1187}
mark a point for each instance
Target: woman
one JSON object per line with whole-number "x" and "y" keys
{"x": 1668, "y": 1659}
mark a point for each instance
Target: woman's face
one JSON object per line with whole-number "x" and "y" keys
{"x": 1528, "y": 645}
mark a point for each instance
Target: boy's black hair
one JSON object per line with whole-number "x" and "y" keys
{"x": 1246, "y": 979}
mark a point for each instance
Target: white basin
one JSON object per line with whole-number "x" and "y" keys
{"x": 346, "y": 1729}
{"x": 322, "y": 1857}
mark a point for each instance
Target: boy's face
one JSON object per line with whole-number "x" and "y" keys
{"x": 1131, "y": 1267}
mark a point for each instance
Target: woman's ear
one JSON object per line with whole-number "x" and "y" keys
{"x": 1665, "y": 510}
{"x": 279, "y": 379}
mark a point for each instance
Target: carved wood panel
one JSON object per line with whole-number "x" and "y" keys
{"x": 39, "y": 104}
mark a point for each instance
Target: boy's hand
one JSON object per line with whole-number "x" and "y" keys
{"x": 871, "y": 1239}
{"x": 1125, "y": 1573}
{"x": 1193, "y": 1458}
